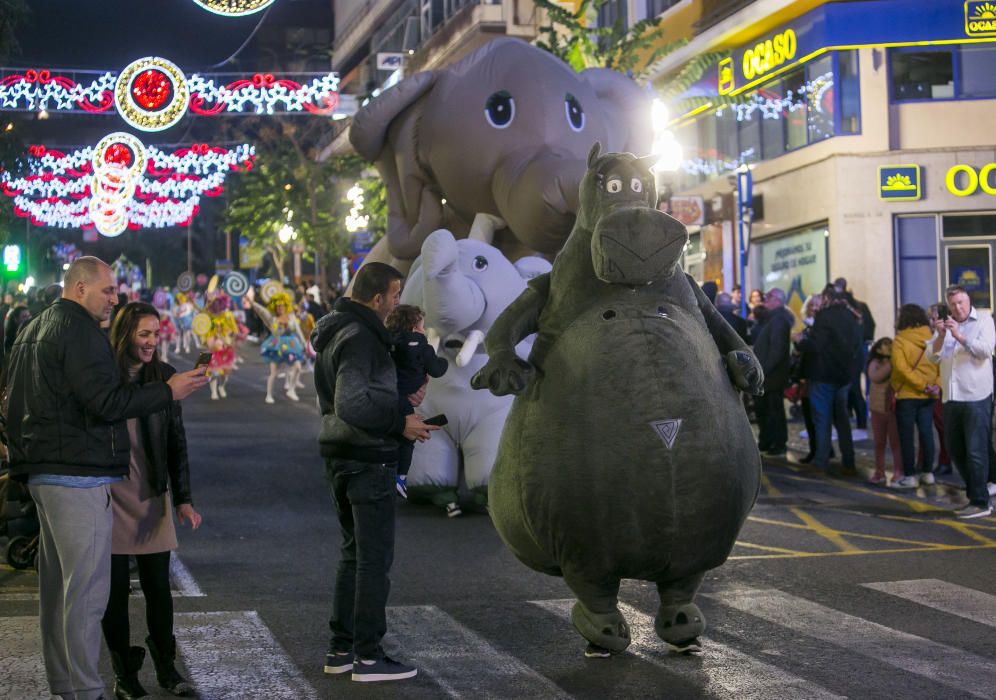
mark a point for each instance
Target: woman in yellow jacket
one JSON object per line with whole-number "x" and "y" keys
{"x": 915, "y": 383}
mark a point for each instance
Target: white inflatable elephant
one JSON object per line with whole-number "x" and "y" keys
{"x": 462, "y": 286}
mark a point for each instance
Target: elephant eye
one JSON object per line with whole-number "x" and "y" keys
{"x": 614, "y": 185}
{"x": 575, "y": 115}
{"x": 480, "y": 263}
{"x": 500, "y": 109}
{"x": 636, "y": 185}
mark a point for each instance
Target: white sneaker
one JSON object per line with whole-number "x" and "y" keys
{"x": 222, "y": 393}
{"x": 907, "y": 482}
{"x": 972, "y": 511}
{"x": 992, "y": 488}
{"x": 453, "y": 510}
{"x": 269, "y": 399}
{"x": 292, "y": 395}
{"x": 927, "y": 478}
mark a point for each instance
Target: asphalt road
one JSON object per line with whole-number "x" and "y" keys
{"x": 836, "y": 589}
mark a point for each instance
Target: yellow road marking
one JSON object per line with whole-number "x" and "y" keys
{"x": 834, "y": 536}
{"x": 915, "y": 505}
{"x": 965, "y": 530}
{"x": 847, "y": 533}
{"x": 801, "y": 555}
{"x": 769, "y": 487}
{"x": 767, "y": 548}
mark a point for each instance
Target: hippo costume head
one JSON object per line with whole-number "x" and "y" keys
{"x": 504, "y": 133}
{"x": 631, "y": 241}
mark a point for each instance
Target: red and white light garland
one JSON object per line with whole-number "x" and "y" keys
{"x": 121, "y": 184}
{"x": 152, "y": 93}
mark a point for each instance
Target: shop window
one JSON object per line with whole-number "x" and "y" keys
{"x": 795, "y": 110}
{"x": 977, "y": 77}
{"x": 916, "y": 260}
{"x": 613, "y": 11}
{"x": 727, "y": 150}
{"x": 968, "y": 225}
{"x": 750, "y": 139}
{"x": 922, "y": 75}
{"x": 818, "y": 93}
{"x": 849, "y": 86}
{"x": 971, "y": 267}
{"x": 797, "y": 263}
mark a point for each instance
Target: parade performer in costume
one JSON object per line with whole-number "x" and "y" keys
{"x": 219, "y": 338}
{"x": 183, "y": 311}
{"x": 285, "y": 346}
{"x": 616, "y": 462}
{"x": 167, "y": 329}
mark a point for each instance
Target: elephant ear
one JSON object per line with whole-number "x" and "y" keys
{"x": 627, "y": 110}
{"x": 368, "y": 131}
{"x": 532, "y": 266}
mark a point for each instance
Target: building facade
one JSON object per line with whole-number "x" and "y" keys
{"x": 867, "y": 127}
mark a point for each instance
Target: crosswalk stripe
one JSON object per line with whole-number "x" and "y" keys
{"x": 227, "y": 653}
{"x": 720, "y": 671}
{"x": 183, "y": 583}
{"x": 462, "y": 662}
{"x": 22, "y": 670}
{"x": 957, "y": 668}
{"x": 947, "y": 597}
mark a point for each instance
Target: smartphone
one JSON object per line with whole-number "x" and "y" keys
{"x": 439, "y": 420}
{"x": 203, "y": 360}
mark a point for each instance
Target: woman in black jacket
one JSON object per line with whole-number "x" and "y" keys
{"x": 158, "y": 481}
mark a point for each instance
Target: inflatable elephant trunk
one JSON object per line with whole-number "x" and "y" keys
{"x": 453, "y": 302}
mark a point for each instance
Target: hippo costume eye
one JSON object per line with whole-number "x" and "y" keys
{"x": 636, "y": 185}
{"x": 500, "y": 109}
{"x": 480, "y": 263}
{"x": 613, "y": 185}
{"x": 575, "y": 115}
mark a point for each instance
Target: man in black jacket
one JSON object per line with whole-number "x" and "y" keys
{"x": 357, "y": 388}
{"x": 772, "y": 348}
{"x": 66, "y": 421}
{"x": 835, "y": 343}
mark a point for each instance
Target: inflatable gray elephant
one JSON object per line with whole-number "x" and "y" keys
{"x": 495, "y": 143}
{"x": 462, "y": 286}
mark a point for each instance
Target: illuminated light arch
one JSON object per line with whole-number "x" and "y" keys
{"x": 151, "y": 94}
{"x": 234, "y": 8}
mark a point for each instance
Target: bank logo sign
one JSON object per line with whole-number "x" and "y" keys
{"x": 899, "y": 183}
{"x": 980, "y": 18}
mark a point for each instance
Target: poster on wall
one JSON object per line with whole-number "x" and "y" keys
{"x": 970, "y": 268}
{"x": 796, "y": 263}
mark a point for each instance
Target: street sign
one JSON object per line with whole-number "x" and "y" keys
{"x": 390, "y": 61}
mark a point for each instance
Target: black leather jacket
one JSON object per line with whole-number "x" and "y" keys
{"x": 165, "y": 443}
{"x": 67, "y": 406}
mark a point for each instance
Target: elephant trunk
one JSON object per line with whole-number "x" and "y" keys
{"x": 537, "y": 196}
{"x": 452, "y": 301}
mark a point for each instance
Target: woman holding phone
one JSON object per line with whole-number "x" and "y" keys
{"x": 143, "y": 504}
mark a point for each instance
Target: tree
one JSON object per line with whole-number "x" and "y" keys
{"x": 572, "y": 37}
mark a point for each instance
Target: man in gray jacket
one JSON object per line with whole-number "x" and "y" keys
{"x": 362, "y": 414}
{"x": 66, "y": 420}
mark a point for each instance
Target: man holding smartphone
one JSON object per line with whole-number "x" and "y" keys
{"x": 67, "y": 407}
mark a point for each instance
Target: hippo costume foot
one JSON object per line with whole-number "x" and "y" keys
{"x": 606, "y": 630}
{"x": 680, "y": 626}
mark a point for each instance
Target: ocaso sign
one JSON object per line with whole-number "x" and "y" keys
{"x": 769, "y": 54}
{"x": 965, "y": 180}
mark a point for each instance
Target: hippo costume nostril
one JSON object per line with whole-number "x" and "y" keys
{"x": 610, "y": 465}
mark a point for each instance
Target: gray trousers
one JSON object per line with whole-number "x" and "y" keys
{"x": 74, "y": 581}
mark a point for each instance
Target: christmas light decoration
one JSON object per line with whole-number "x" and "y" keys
{"x": 356, "y": 220}
{"x": 234, "y": 8}
{"x": 152, "y": 93}
{"x": 121, "y": 184}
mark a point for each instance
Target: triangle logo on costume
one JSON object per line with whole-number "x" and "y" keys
{"x": 667, "y": 430}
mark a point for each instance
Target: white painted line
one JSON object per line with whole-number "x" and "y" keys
{"x": 184, "y": 584}
{"x": 460, "y": 661}
{"x": 22, "y": 669}
{"x": 234, "y": 655}
{"x": 969, "y": 673}
{"x": 947, "y": 597}
{"x": 18, "y": 596}
{"x": 719, "y": 671}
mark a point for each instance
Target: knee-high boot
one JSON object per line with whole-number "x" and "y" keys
{"x": 126, "y": 667}
{"x": 166, "y": 673}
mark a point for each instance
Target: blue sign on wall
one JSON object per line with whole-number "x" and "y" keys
{"x": 899, "y": 183}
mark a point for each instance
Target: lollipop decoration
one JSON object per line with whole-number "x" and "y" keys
{"x": 270, "y": 290}
{"x": 235, "y": 284}
{"x": 201, "y": 324}
{"x": 185, "y": 282}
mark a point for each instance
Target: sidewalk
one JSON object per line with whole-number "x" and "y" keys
{"x": 948, "y": 492}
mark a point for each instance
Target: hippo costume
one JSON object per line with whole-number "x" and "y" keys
{"x": 627, "y": 452}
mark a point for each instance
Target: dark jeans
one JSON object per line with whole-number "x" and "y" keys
{"x": 363, "y": 494}
{"x": 772, "y": 428}
{"x": 856, "y": 402}
{"x": 829, "y": 404}
{"x": 966, "y": 428}
{"x": 406, "y": 449}
{"x": 807, "y": 417}
{"x": 918, "y": 413}
{"x": 153, "y": 574}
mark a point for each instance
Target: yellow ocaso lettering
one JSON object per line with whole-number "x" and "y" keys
{"x": 971, "y": 180}
{"x": 769, "y": 54}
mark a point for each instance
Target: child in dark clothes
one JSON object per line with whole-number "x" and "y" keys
{"x": 415, "y": 361}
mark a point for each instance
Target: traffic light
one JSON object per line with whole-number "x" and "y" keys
{"x": 12, "y": 259}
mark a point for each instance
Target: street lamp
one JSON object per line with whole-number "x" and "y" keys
{"x": 286, "y": 234}
{"x": 666, "y": 146}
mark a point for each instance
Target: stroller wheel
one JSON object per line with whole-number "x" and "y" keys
{"x": 22, "y": 551}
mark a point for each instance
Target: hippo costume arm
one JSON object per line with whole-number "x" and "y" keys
{"x": 744, "y": 369}
{"x": 507, "y": 373}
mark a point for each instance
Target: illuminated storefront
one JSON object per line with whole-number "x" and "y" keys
{"x": 868, "y": 130}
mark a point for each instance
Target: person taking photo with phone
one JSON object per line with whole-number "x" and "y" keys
{"x": 143, "y": 504}
{"x": 67, "y": 408}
